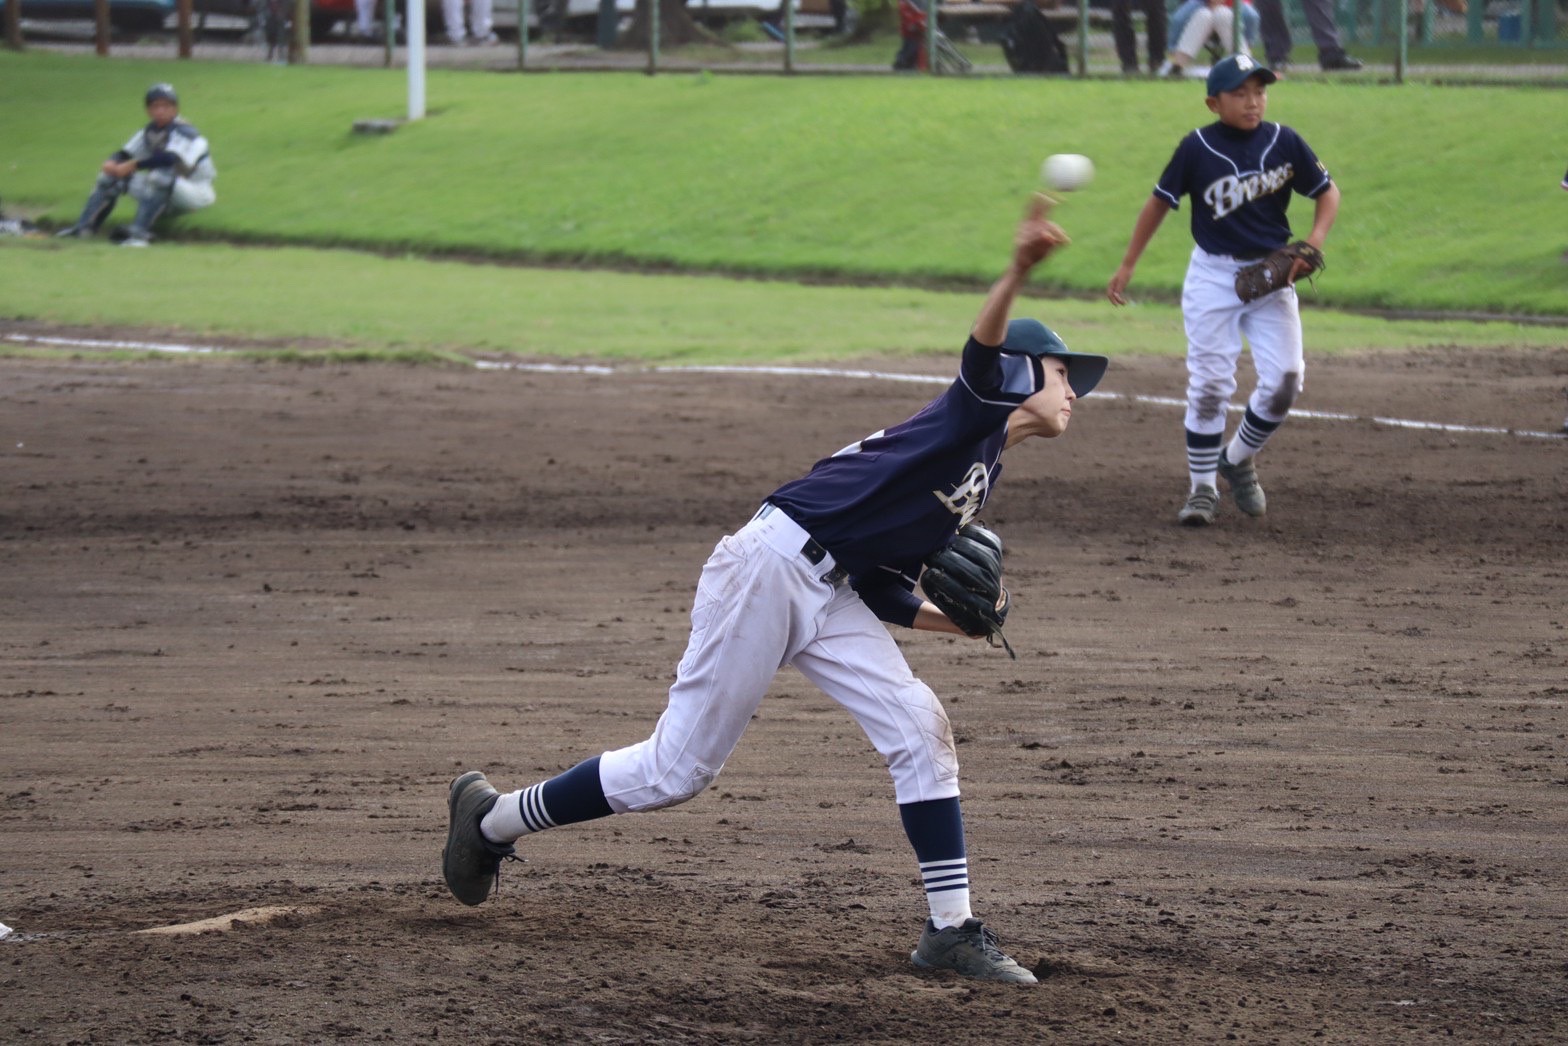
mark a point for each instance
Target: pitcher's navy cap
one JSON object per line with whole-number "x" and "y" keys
{"x": 1084, "y": 370}
{"x": 1231, "y": 72}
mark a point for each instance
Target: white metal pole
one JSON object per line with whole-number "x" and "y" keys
{"x": 416, "y": 59}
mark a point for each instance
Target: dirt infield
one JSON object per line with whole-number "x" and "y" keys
{"x": 1297, "y": 779}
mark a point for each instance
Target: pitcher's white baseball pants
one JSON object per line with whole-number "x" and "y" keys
{"x": 762, "y": 604}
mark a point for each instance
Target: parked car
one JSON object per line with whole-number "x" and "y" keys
{"x": 139, "y": 16}
{"x": 125, "y": 15}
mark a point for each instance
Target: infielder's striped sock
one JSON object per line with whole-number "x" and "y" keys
{"x": 1250, "y": 437}
{"x": 566, "y": 798}
{"x": 936, "y": 831}
{"x": 1203, "y": 457}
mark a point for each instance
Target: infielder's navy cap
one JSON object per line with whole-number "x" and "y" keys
{"x": 161, "y": 92}
{"x": 1230, "y": 73}
{"x": 1084, "y": 371}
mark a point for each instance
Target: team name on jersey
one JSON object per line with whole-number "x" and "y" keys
{"x": 1230, "y": 192}
{"x": 967, "y": 497}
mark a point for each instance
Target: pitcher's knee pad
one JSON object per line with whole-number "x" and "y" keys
{"x": 925, "y": 765}
{"x": 675, "y": 790}
{"x": 634, "y": 781}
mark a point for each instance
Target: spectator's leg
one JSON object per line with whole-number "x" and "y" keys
{"x": 551, "y": 18}
{"x": 1276, "y": 32}
{"x": 452, "y": 15}
{"x": 481, "y": 19}
{"x": 1154, "y": 12}
{"x": 1190, "y": 26}
{"x": 1325, "y": 33}
{"x": 1122, "y": 33}
{"x": 1197, "y": 31}
{"x": 1224, "y": 29}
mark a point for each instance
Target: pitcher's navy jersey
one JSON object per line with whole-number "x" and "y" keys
{"x": 884, "y": 503}
{"x": 1240, "y": 183}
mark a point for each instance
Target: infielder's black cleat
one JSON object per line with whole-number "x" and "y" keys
{"x": 969, "y": 949}
{"x": 1244, "y": 485}
{"x": 1200, "y": 507}
{"x": 471, "y": 863}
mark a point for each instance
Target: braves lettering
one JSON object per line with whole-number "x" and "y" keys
{"x": 1230, "y": 192}
{"x": 967, "y": 497}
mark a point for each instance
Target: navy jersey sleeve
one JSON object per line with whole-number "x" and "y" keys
{"x": 999, "y": 378}
{"x": 1176, "y": 180}
{"x": 1311, "y": 177}
{"x": 889, "y": 594}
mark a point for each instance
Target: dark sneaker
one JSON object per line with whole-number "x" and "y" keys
{"x": 470, "y": 862}
{"x": 1200, "y": 507}
{"x": 971, "y": 950}
{"x": 1344, "y": 63}
{"x": 1244, "y": 486}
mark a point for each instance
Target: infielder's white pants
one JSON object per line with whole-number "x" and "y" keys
{"x": 761, "y": 605}
{"x": 1216, "y": 320}
{"x": 480, "y": 20}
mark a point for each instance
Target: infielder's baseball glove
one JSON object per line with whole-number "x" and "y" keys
{"x": 1273, "y": 272}
{"x": 963, "y": 579}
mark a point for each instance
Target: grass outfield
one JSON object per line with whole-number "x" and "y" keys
{"x": 411, "y": 309}
{"x": 861, "y": 176}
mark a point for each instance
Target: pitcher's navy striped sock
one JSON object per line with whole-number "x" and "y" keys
{"x": 566, "y": 798}
{"x": 936, "y": 831}
{"x": 947, "y": 891}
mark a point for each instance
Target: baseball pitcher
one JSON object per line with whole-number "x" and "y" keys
{"x": 810, "y": 581}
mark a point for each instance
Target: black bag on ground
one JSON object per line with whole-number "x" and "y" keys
{"x": 1031, "y": 43}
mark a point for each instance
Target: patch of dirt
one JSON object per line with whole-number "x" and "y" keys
{"x": 1303, "y": 777}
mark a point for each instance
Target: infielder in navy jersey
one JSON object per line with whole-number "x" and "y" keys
{"x": 1240, "y": 172}
{"x": 809, "y": 582}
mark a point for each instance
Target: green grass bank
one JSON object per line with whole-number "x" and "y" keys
{"x": 1451, "y": 197}
{"x": 339, "y": 304}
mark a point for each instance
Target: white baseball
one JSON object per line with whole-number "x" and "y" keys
{"x": 1067, "y": 172}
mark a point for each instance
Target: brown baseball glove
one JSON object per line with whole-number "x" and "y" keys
{"x": 1273, "y": 272}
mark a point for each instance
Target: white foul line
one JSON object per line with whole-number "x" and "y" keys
{"x": 814, "y": 372}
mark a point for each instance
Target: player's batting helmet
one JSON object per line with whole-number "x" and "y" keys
{"x": 161, "y": 93}
{"x": 1034, "y": 338}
